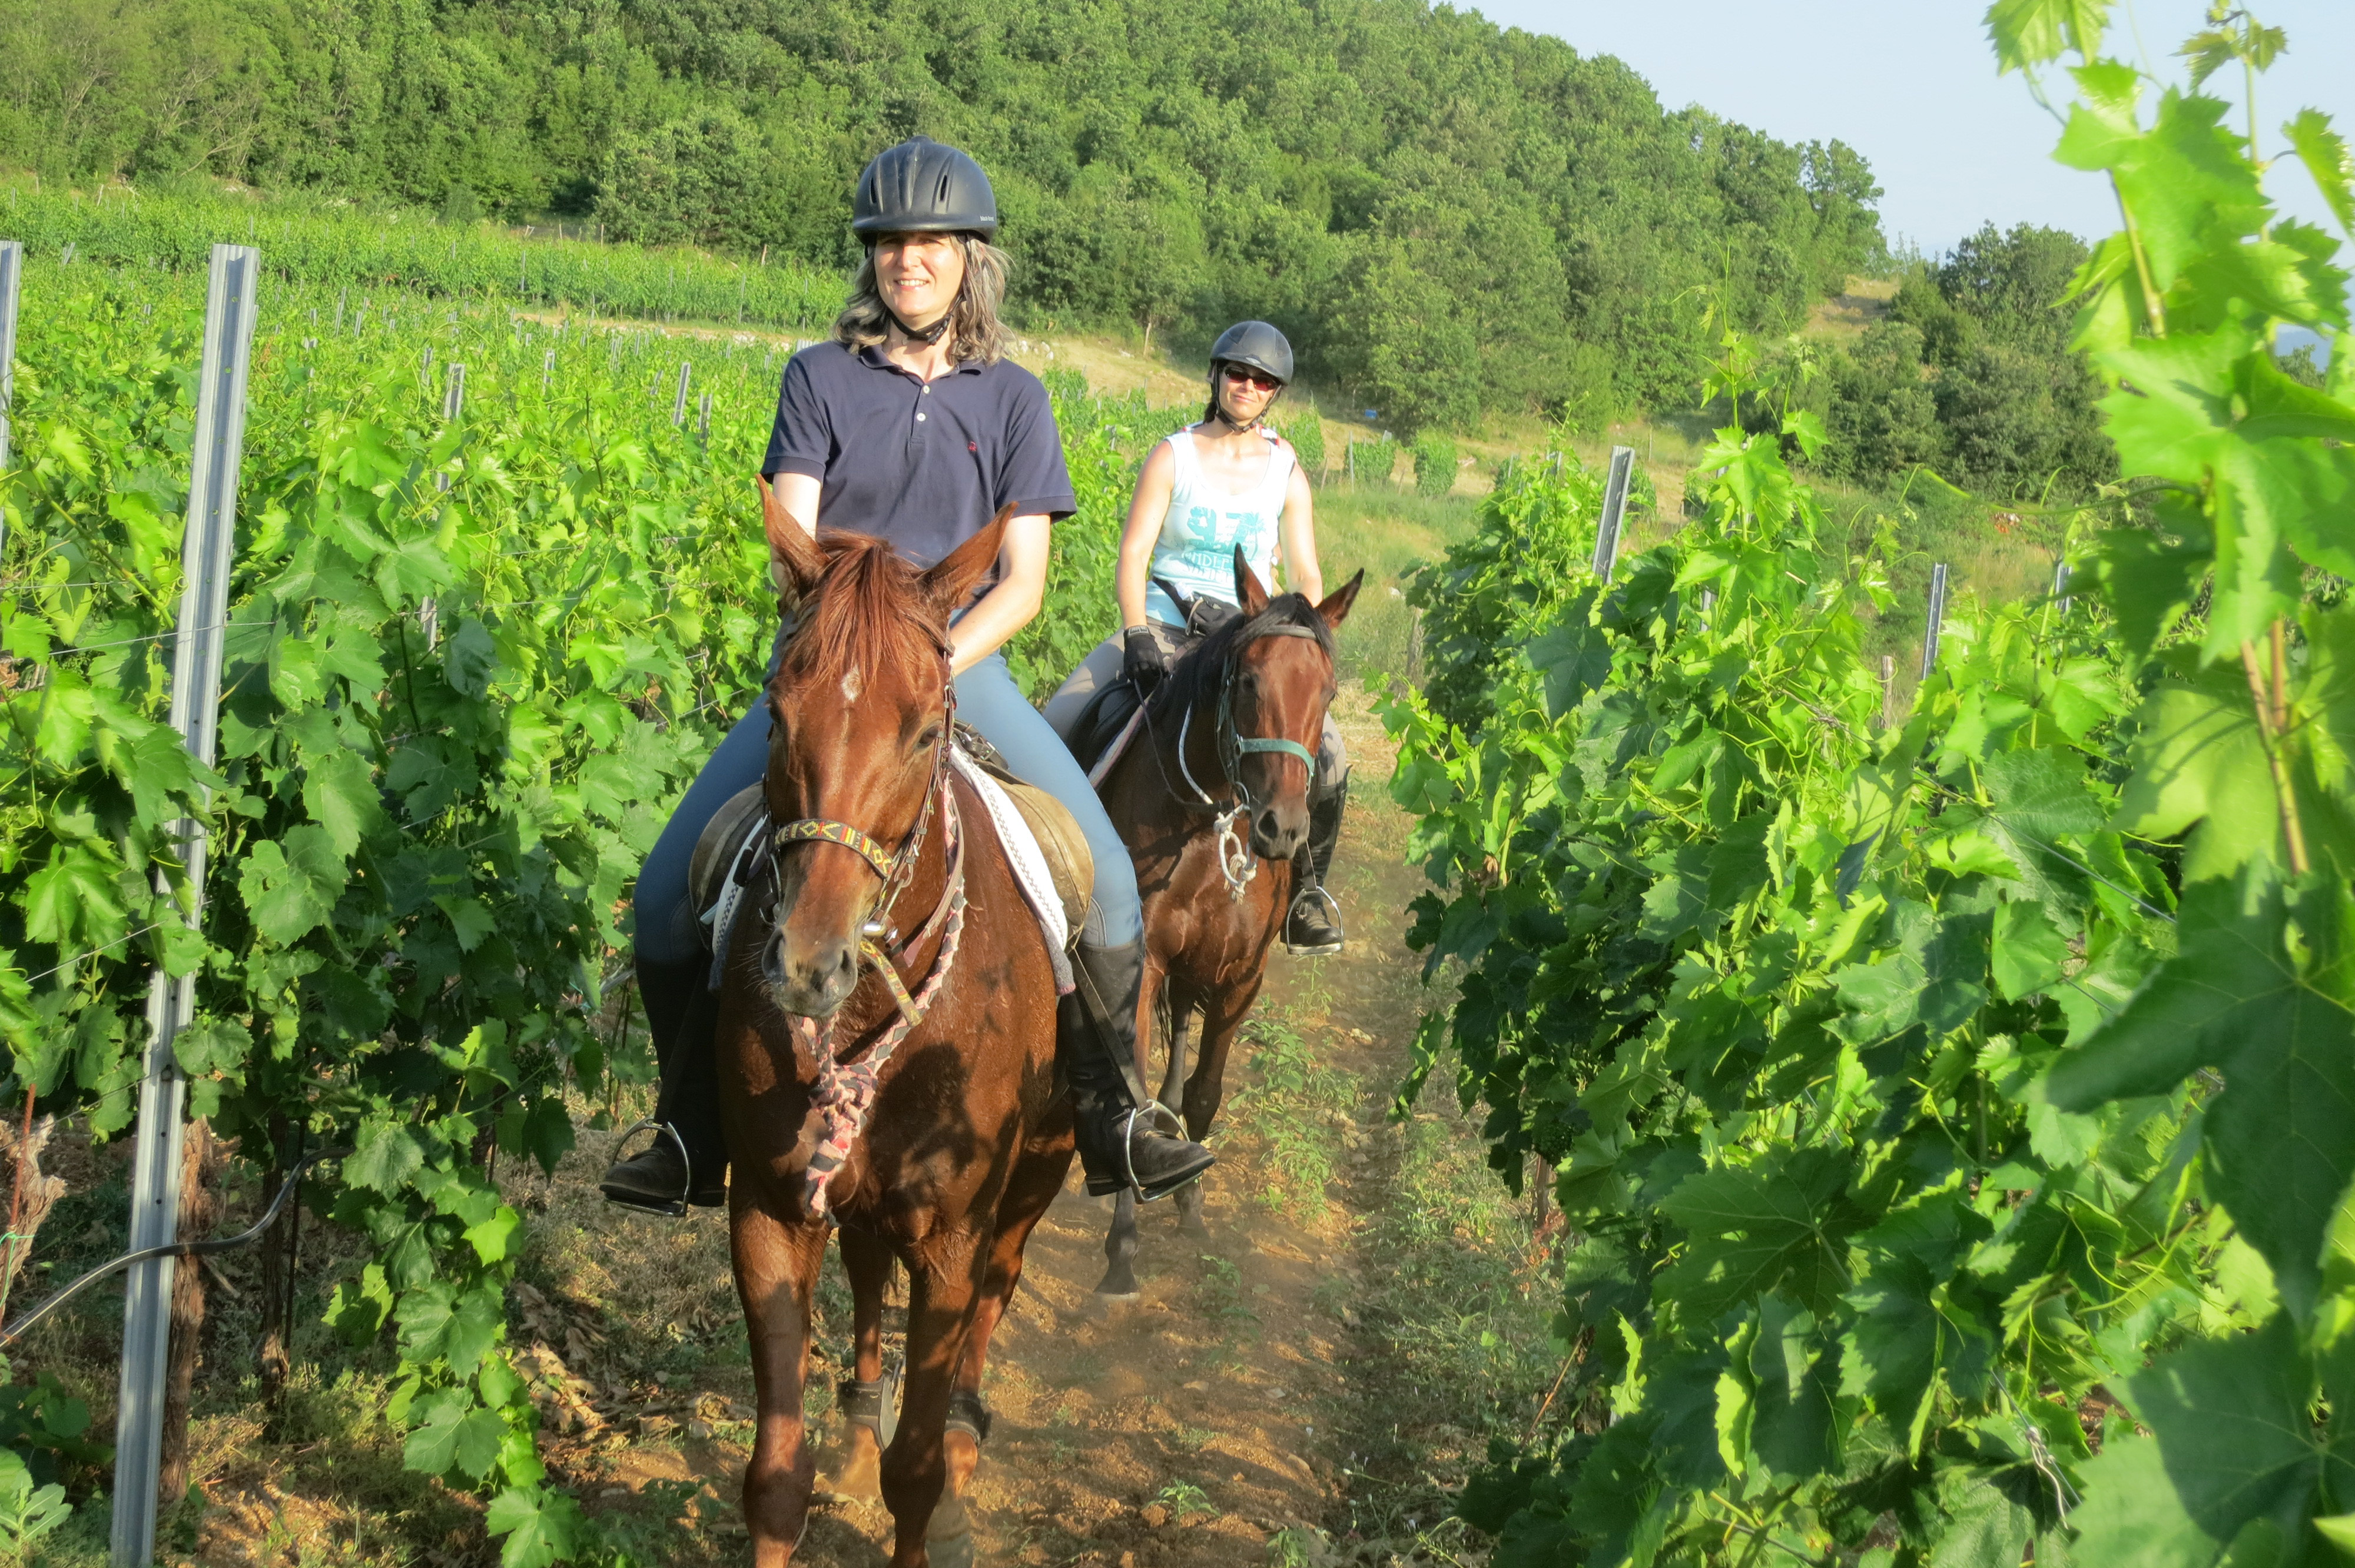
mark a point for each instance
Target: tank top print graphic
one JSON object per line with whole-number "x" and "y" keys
{"x": 1196, "y": 552}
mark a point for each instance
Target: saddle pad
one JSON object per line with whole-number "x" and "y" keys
{"x": 715, "y": 849}
{"x": 1051, "y": 860}
{"x": 715, "y": 872}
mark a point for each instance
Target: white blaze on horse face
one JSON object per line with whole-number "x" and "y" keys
{"x": 852, "y": 685}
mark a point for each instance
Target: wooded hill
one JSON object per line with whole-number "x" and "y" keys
{"x": 1448, "y": 217}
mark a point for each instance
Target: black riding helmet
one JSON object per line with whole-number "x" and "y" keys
{"x": 1256, "y": 344}
{"x": 923, "y": 187}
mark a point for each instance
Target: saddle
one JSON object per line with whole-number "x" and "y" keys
{"x": 1054, "y": 867}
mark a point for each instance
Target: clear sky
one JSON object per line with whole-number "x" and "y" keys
{"x": 1911, "y": 85}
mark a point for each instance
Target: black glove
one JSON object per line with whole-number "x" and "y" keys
{"x": 1141, "y": 664}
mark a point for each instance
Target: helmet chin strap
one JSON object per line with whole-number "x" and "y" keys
{"x": 926, "y": 335}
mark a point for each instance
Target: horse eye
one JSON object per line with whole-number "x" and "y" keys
{"x": 930, "y": 738}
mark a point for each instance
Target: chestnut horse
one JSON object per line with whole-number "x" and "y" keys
{"x": 1211, "y": 798}
{"x": 827, "y": 1013}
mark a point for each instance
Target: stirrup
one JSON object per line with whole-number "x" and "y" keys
{"x": 1159, "y": 1118}
{"x": 676, "y": 1208}
{"x": 1321, "y": 949}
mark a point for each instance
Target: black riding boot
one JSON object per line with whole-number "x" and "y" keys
{"x": 1125, "y": 1139}
{"x": 1313, "y": 925}
{"x": 691, "y": 1167}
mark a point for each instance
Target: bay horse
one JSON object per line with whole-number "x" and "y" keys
{"x": 1211, "y": 798}
{"x": 828, "y": 1015}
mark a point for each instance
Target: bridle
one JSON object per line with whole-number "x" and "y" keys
{"x": 1237, "y": 864}
{"x": 847, "y": 1081}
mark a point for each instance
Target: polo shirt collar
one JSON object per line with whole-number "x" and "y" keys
{"x": 873, "y": 355}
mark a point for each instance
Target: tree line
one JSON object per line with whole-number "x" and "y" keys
{"x": 1449, "y": 218}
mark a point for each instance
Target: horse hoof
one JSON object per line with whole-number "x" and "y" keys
{"x": 856, "y": 1477}
{"x": 948, "y": 1538}
{"x": 1119, "y": 1284}
{"x": 1189, "y": 1212}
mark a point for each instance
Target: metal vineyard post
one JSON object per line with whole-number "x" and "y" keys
{"x": 1614, "y": 506}
{"x": 197, "y": 647}
{"x": 12, "y": 267}
{"x": 1937, "y": 615}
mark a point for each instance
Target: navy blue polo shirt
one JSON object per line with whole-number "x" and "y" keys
{"x": 924, "y": 464}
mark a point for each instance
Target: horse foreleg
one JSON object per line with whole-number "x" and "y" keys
{"x": 776, "y": 1278}
{"x": 1207, "y": 1087}
{"x": 866, "y": 1260}
{"x": 1037, "y": 1180}
{"x": 1171, "y": 1012}
{"x": 942, "y": 1291}
{"x": 1119, "y": 1283}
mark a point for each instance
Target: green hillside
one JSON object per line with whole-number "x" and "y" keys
{"x": 1450, "y": 218}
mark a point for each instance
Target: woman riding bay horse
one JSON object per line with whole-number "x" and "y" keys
{"x": 1225, "y": 483}
{"x": 911, "y": 422}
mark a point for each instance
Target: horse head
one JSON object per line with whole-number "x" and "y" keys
{"x": 859, "y": 709}
{"x": 1279, "y": 681}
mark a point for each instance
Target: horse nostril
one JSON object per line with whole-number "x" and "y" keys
{"x": 1267, "y": 825}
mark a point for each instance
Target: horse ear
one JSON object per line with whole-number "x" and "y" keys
{"x": 1250, "y": 593}
{"x": 795, "y": 563}
{"x": 950, "y": 580}
{"x": 1335, "y": 608}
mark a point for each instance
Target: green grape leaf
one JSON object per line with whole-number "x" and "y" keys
{"x": 2280, "y": 1025}
{"x": 384, "y": 1156}
{"x": 469, "y": 657}
{"x": 74, "y": 899}
{"x": 2324, "y": 153}
{"x": 1905, "y": 1337}
{"x": 2041, "y": 793}
{"x": 2030, "y": 33}
{"x": 540, "y": 1526}
{"x": 1574, "y": 657}
{"x": 339, "y": 791}
{"x": 2199, "y": 761}
{"x": 438, "y": 1323}
{"x": 291, "y": 887}
{"x": 2028, "y": 951}
{"x": 210, "y": 1045}
{"x": 161, "y": 774}
{"x": 2233, "y": 1446}
{"x": 1779, "y": 1224}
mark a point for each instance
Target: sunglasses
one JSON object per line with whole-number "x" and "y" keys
{"x": 1259, "y": 378}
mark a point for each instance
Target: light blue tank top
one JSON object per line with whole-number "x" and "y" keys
{"x": 1196, "y": 551}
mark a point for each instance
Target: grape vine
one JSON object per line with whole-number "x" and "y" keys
{"x": 1958, "y": 1112}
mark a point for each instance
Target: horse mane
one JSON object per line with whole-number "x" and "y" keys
{"x": 1197, "y": 671}
{"x": 866, "y": 610}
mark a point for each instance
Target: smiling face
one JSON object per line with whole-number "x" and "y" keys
{"x": 1244, "y": 392}
{"x": 918, "y": 275}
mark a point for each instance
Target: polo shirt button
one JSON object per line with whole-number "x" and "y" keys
{"x": 920, "y": 419}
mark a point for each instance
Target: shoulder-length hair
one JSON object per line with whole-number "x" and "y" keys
{"x": 974, "y": 331}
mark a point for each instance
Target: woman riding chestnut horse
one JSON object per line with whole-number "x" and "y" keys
{"x": 909, "y": 425}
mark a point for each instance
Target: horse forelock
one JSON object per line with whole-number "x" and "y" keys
{"x": 1197, "y": 673}
{"x": 866, "y": 613}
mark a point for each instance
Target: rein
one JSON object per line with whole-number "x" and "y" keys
{"x": 848, "y": 1082}
{"x": 1237, "y": 864}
